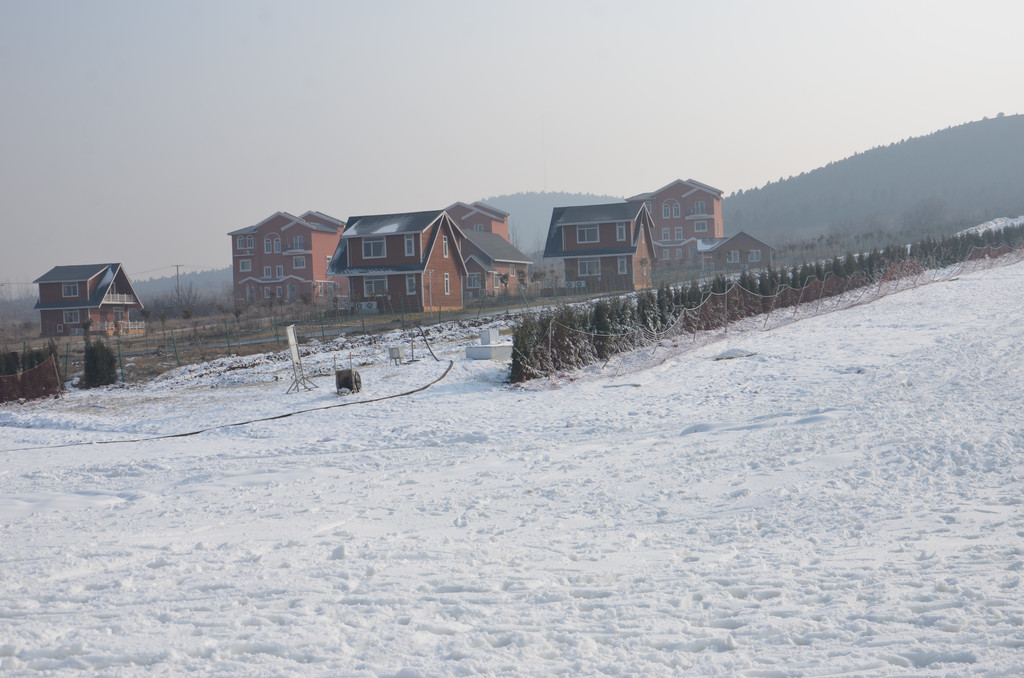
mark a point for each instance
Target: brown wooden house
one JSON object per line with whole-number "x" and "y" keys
{"x": 402, "y": 262}
{"x": 603, "y": 247}
{"x": 99, "y": 293}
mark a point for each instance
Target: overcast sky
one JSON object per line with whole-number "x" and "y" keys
{"x": 142, "y": 132}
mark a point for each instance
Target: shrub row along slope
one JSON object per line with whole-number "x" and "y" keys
{"x": 571, "y": 337}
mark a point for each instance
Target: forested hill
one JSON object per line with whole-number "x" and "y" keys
{"x": 530, "y": 214}
{"x": 960, "y": 175}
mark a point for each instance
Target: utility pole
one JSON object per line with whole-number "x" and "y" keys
{"x": 177, "y": 279}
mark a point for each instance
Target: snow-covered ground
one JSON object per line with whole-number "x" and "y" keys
{"x": 845, "y": 496}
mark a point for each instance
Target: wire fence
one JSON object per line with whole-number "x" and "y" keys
{"x": 568, "y": 341}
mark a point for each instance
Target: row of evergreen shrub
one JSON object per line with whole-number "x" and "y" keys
{"x": 571, "y": 337}
{"x": 11, "y": 362}
{"x": 100, "y": 363}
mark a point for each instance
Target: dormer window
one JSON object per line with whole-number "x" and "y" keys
{"x": 70, "y": 289}
{"x": 587, "y": 234}
{"x": 373, "y": 248}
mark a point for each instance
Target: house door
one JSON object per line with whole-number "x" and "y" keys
{"x": 118, "y": 314}
{"x": 292, "y": 292}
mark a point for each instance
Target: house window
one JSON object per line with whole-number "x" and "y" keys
{"x": 585, "y": 234}
{"x": 675, "y": 210}
{"x": 71, "y": 290}
{"x": 733, "y": 257}
{"x": 373, "y": 248}
{"x": 698, "y": 207}
{"x": 268, "y": 246}
{"x": 754, "y": 256}
{"x": 447, "y": 284}
{"x": 666, "y": 211}
{"x": 250, "y": 293}
{"x": 298, "y": 262}
{"x": 278, "y": 291}
{"x": 292, "y": 291}
{"x": 679, "y": 232}
{"x": 679, "y": 253}
{"x": 374, "y": 286}
{"x": 245, "y": 265}
{"x": 266, "y": 271}
{"x": 410, "y": 283}
{"x": 444, "y": 249}
{"x": 319, "y": 288}
{"x": 328, "y": 263}
{"x": 249, "y": 242}
{"x": 277, "y": 245}
{"x": 620, "y": 232}
{"x": 72, "y": 317}
{"x": 473, "y": 281}
{"x": 623, "y": 266}
{"x": 298, "y": 242}
{"x": 664, "y": 234}
{"x": 589, "y": 267}
{"x": 240, "y": 242}
{"x": 279, "y": 269}
{"x": 700, "y": 226}
{"x": 511, "y": 270}
{"x": 479, "y": 228}
{"x": 266, "y": 292}
{"x": 410, "y": 245}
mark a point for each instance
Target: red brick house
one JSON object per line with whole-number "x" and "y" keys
{"x": 493, "y": 265}
{"x": 99, "y": 293}
{"x": 603, "y": 247}
{"x": 683, "y": 212}
{"x": 284, "y": 259}
{"x": 740, "y": 252}
{"x": 480, "y": 218}
{"x": 409, "y": 262}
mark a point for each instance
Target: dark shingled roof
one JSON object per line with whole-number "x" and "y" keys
{"x": 388, "y": 224}
{"x": 496, "y": 247}
{"x": 73, "y": 273}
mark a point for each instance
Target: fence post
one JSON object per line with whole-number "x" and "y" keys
{"x": 120, "y": 360}
{"x": 362, "y": 319}
{"x": 227, "y": 333}
{"x": 277, "y": 335}
{"x": 67, "y": 358}
{"x": 323, "y": 333}
{"x": 175, "y": 345}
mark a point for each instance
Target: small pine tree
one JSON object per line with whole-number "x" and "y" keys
{"x": 100, "y": 367}
{"x": 10, "y": 361}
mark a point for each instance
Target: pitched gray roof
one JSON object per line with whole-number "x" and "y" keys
{"x": 496, "y": 247}
{"x": 73, "y": 273}
{"x": 388, "y": 224}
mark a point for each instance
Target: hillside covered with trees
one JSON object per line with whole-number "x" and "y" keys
{"x": 915, "y": 187}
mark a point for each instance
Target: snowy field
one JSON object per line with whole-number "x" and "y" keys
{"x": 846, "y": 497}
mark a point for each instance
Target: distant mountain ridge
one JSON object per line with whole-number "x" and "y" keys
{"x": 960, "y": 175}
{"x": 936, "y": 183}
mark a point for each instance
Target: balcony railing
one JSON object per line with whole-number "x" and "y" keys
{"x": 112, "y": 298}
